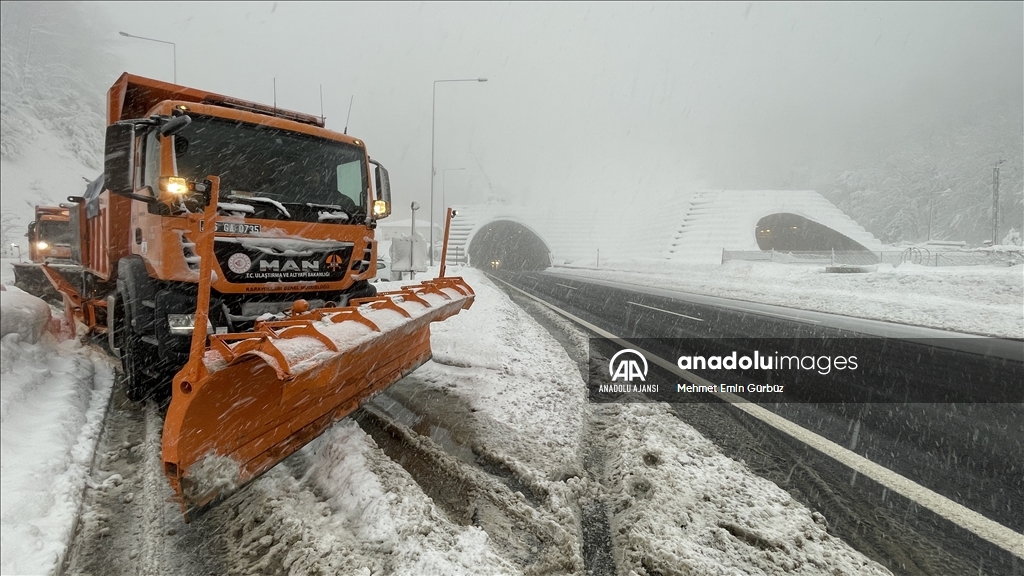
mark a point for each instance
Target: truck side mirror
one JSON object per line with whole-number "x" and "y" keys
{"x": 174, "y": 125}
{"x": 118, "y": 158}
{"x": 382, "y": 205}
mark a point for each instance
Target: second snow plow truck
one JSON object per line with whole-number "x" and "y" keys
{"x": 49, "y": 240}
{"x": 227, "y": 254}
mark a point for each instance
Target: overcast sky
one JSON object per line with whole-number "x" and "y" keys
{"x": 597, "y": 99}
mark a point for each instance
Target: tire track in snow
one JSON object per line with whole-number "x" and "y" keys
{"x": 128, "y": 524}
{"x": 535, "y": 538}
{"x": 597, "y": 545}
{"x": 154, "y": 542}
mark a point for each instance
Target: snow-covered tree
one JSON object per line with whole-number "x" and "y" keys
{"x": 943, "y": 175}
{"x": 10, "y": 229}
{"x": 1012, "y": 238}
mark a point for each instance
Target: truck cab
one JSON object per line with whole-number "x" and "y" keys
{"x": 50, "y": 235}
{"x": 297, "y": 209}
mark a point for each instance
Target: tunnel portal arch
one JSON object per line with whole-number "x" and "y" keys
{"x": 785, "y": 232}
{"x": 508, "y": 245}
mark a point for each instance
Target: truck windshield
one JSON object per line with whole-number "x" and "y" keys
{"x": 259, "y": 161}
{"x": 54, "y": 231}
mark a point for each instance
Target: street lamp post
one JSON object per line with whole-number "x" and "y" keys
{"x": 433, "y": 110}
{"x": 444, "y": 185}
{"x": 995, "y": 203}
{"x": 174, "y": 47}
{"x": 412, "y": 242}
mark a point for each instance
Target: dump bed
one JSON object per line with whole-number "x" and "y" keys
{"x": 134, "y": 96}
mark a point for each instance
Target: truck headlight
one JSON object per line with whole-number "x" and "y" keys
{"x": 381, "y": 208}
{"x": 42, "y": 245}
{"x": 174, "y": 185}
{"x": 181, "y": 194}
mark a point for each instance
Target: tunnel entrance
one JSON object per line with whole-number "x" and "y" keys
{"x": 506, "y": 245}
{"x": 784, "y": 232}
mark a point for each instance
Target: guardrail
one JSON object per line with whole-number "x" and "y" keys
{"x": 913, "y": 255}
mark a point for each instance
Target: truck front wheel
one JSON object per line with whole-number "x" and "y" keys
{"x": 361, "y": 289}
{"x": 135, "y": 353}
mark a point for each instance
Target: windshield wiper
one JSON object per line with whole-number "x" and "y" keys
{"x": 327, "y": 212}
{"x": 261, "y": 200}
{"x": 315, "y": 205}
{"x": 232, "y": 207}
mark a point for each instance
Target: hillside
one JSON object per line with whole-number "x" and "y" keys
{"x": 51, "y": 120}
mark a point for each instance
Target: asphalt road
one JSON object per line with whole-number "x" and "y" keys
{"x": 969, "y": 451}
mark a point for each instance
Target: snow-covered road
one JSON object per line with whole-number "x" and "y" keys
{"x": 346, "y": 503}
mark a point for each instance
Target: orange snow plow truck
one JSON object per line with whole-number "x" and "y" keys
{"x": 227, "y": 252}
{"x": 49, "y": 240}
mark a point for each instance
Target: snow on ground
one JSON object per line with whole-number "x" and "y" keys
{"x": 673, "y": 499}
{"x": 53, "y": 395}
{"x": 370, "y": 518}
{"x": 365, "y": 512}
{"x": 985, "y": 300}
{"x": 688, "y": 510}
{"x": 386, "y": 507}
{"x": 356, "y": 511}
{"x": 681, "y": 507}
{"x": 513, "y": 373}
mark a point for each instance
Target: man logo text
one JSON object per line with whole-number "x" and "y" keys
{"x": 289, "y": 266}
{"x": 626, "y": 364}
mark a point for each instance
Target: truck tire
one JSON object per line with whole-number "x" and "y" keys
{"x": 146, "y": 373}
{"x": 138, "y": 288}
{"x": 138, "y": 385}
{"x": 361, "y": 289}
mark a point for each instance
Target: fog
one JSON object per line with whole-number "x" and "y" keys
{"x": 605, "y": 102}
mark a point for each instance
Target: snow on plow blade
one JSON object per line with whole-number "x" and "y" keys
{"x": 254, "y": 398}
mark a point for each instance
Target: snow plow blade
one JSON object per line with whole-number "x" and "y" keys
{"x": 252, "y": 399}
{"x": 29, "y": 277}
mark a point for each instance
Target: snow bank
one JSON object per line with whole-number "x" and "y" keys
{"x": 515, "y": 375}
{"x": 52, "y": 400}
{"x": 23, "y": 314}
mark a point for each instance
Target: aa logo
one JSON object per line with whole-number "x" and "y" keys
{"x": 334, "y": 262}
{"x": 626, "y": 365}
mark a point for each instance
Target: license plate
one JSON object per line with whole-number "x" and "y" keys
{"x": 236, "y": 228}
